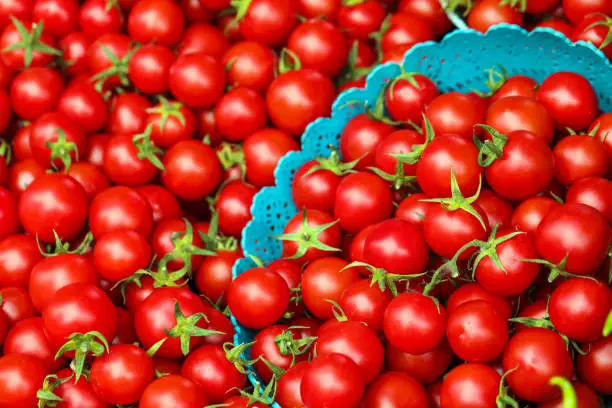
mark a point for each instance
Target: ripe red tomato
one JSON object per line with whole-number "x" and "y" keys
{"x": 9, "y": 221}
{"x": 360, "y": 138}
{"x": 470, "y": 385}
{"x": 197, "y": 180}
{"x": 173, "y": 391}
{"x": 406, "y": 29}
{"x": 84, "y": 105}
{"x": 408, "y": 97}
{"x": 455, "y": 113}
{"x": 487, "y": 13}
{"x": 332, "y": 381}
{"x": 592, "y": 191}
{"x": 268, "y": 21}
{"x": 591, "y": 29}
{"x": 473, "y": 291}
{"x": 56, "y": 140}
{"x": 35, "y": 91}
{"x": 303, "y": 247}
{"x": 360, "y": 20}
{"x": 204, "y": 38}
{"x": 20, "y": 378}
{"x": 578, "y": 157}
{"x": 120, "y": 253}
{"x": 530, "y": 213}
{"x": 149, "y": 68}
{"x": 296, "y": 98}
{"x": 250, "y": 64}
{"x": 288, "y": 388}
{"x": 575, "y": 10}
{"x": 120, "y": 208}
{"x": 363, "y": 302}
{"x": 234, "y": 207}
{"x": 128, "y": 114}
{"x": 156, "y": 20}
{"x": 576, "y": 232}
{"x": 362, "y": 199}
{"x": 258, "y": 298}
{"x": 521, "y": 113}
{"x": 430, "y": 11}
{"x": 414, "y": 323}
{"x": 240, "y": 113}
{"x": 398, "y": 389}
{"x": 96, "y": 19}
{"x": 41, "y": 55}
{"x": 123, "y": 163}
{"x": 197, "y": 80}
{"x": 319, "y": 45}
{"x": 594, "y": 368}
{"x": 164, "y": 204}
{"x": 529, "y": 378}
{"x": 427, "y": 368}
{"x": 53, "y": 202}
{"x": 27, "y": 337}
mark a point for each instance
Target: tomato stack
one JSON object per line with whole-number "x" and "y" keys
{"x": 452, "y": 251}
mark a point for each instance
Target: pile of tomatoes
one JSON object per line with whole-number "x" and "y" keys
{"x": 457, "y": 256}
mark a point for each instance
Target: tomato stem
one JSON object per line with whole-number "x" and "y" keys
{"x": 570, "y": 400}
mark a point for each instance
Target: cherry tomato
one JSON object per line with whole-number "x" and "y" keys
{"x": 118, "y": 254}
{"x": 426, "y": 368}
{"x": 35, "y": 91}
{"x": 530, "y": 213}
{"x": 197, "y": 80}
{"x": 406, "y": 29}
{"x": 473, "y": 291}
{"x": 396, "y": 389}
{"x": 594, "y": 368}
{"x": 575, "y": 10}
{"x": 521, "y": 113}
{"x": 430, "y": 11}
{"x": 204, "y": 38}
{"x": 250, "y": 64}
{"x": 120, "y": 208}
{"x": 455, "y": 113}
{"x": 470, "y": 385}
{"x": 27, "y": 337}
{"x": 128, "y": 115}
{"x": 578, "y": 157}
{"x": 172, "y": 391}
{"x": 269, "y": 21}
{"x": 592, "y": 191}
{"x": 363, "y": 302}
{"x": 164, "y": 204}
{"x": 288, "y": 388}
{"x": 149, "y": 68}
{"x": 156, "y": 20}
{"x": 487, "y": 13}
{"x": 20, "y": 378}
{"x": 240, "y": 113}
{"x": 234, "y": 207}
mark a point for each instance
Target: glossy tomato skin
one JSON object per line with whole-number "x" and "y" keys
{"x": 53, "y": 202}
{"x": 530, "y": 378}
{"x": 316, "y": 190}
{"x": 521, "y": 113}
{"x": 516, "y": 85}
{"x": 397, "y": 390}
{"x": 443, "y": 154}
{"x": 473, "y": 291}
{"x": 9, "y": 222}
{"x": 173, "y": 391}
{"x": 296, "y": 98}
{"x": 155, "y": 315}
{"x": 476, "y": 332}
{"x": 331, "y": 236}
{"x": 240, "y": 113}
{"x": 192, "y": 170}
{"x": 265, "y": 347}
{"x": 122, "y": 164}
{"x": 455, "y": 113}
{"x": 179, "y": 125}
{"x": 362, "y": 199}
{"x": 234, "y": 207}
{"x": 430, "y": 11}
{"x": 16, "y": 304}
{"x": 406, "y": 29}
{"x": 527, "y": 163}
{"x": 488, "y": 13}
{"x": 360, "y": 138}
{"x": 258, "y": 298}
{"x": 529, "y": 214}
{"x": 27, "y": 337}
{"x": 426, "y": 368}
{"x": 413, "y": 323}
{"x": 128, "y": 114}
{"x": 120, "y": 208}
{"x": 213, "y": 277}
{"x": 90, "y": 177}
{"x": 149, "y": 68}
{"x": 86, "y": 106}
{"x": 578, "y": 308}
{"x": 398, "y": 142}
{"x": 18, "y": 255}
{"x": 363, "y": 302}
{"x": 20, "y": 378}
{"x": 594, "y": 368}
{"x": 396, "y": 246}
{"x": 575, "y": 231}
{"x": 288, "y": 389}
{"x": 322, "y": 279}
{"x": 518, "y": 275}
{"x": 205, "y": 38}
{"x": 262, "y": 151}
{"x": 592, "y": 191}
{"x": 197, "y": 91}
{"x": 75, "y": 394}
{"x": 361, "y": 19}
{"x": 319, "y": 45}
{"x": 497, "y": 209}
{"x": 35, "y": 91}
{"x": 413, "y": 210}
{"x": 56, "y": 272}
{"x": 163, "y": 203}
{"x": 406, "y": 102}
{"x": 332, "y": 380}
{"x": 208, "y": 368}
{"x": 47, "y": 130}
{"x": 269, "y": 22}
{"x": 23, "y": 173}
{"x": 14, "y": 59}
{"x": 118, "y": 254}
{"x": 578, "y": 157}
{"x": 250, "y": 64}
{"x": 121, "y": 376}
{"x": 156, "y": 20}
{"x": 470, "y": 385}
{"x": 78, "y": 308}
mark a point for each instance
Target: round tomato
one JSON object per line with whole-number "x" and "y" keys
{"x": 427, "y": 368}
{"x": 470, "y": 385}
{"x": 156, "y": 20}
{"x": 521, "y": 113}
{"x": 120, "y": 208}
{"x": 250, "y": 64}
{"x": 268, "y": 21}
{"x": 487, "y": 13}
{"x": 592, "y": 191}
{"x": 173, "y": 391}
{"x": 396, "y": 389}
{"x": 595, "y": 367}
{"x": 35, "y": 91}
{"x": 20, "y": 378}
{"x": 27, "y": 337}
{"x": 120, "y": 253}
{"x": 455, "y": 113}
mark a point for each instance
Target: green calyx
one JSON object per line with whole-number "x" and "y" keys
{"x": 167, "y": 109}
{"x": 520, "y": 5}
{"x": 30, "y": 42}
{"x": 399, "y": 180}
{"x": 568, "y": 393}
{"x": 308, "y": 237}
{"x": 147, "y": 149}
{"x": 458, "y": 202}
{"x": 241, "y": 8}
{"x": 352, "y": 3}
{"x": 5, "y": 151}
{"x": 184, "y": 249}
{"x": 557, "y": 270}
{"x": 231, "y": 155}
{"x": 337, "y": 311}
{"x": 263, "y": 396}
{"x": 491, "y": 149}
{"x": 214, "y": 240}
{"x": 46, "y": 394}
{"x": 378, "y": 36}
{"x": 119, "y": 67}
{"x": 62, "y": 149}
{"x": 496, "y": 78}
{"x": 333, "y": 164}
{"x": 454, "y": 5}
{"x": 351, "y": 72}
{"x": 64, "y": 247}
{"x": 290, "y": 346}
{"x": 607, "y": 329}
{"x": 288, "y": 61}
{"x": 186, "y": 328}
{"x": 382, "y": 278}
{"x": 234, "y": 354}
{"x": 112, "y": 4}
{"x": 503, "y": 398}
{"x": 605, "y": 22}
{"x": 82, "y": 344}
{"x": 415, "y": 154}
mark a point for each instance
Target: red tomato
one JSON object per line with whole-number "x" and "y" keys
{"x": 120, "y": 208}
{"x": 398, "y": 389}
{"x": 521, "y": 113}
{"x": 407, "y": 97}
{"x": 35, "y": 91}
{"x": 317, "y": 190}
{"x": 258, "y": 298}
{"x": 326, "y": 9}
{"x": 204, "y": 38}
{"x": 213, "y": 277}
{"x": 149, "y": 68}
{"x": 250, "y": 64}
{"x": 595, "y": 368}
{"x": 429, "y": 10}
{"x": 23, "y": 173}
{"x": 128, "y": 114}
{"x": 575, "y": 10}
{"x": 487, "y": 13}
{"x": 56, "y": 140}
{"x": 427, "y": 368}
{"x": 332, "y": 381}
{"x": 123, "y": 161}
{"x": 594, "y": 192}
{"x": 360, "y": 20}
{"x": 530, "y": 213}
{"x": 473, "y": 291}
{"x": 414, "y": 323}
{"x": 234, "y": 207}
{"x": 197, "y": 80}
{"x": 363, "y": 302}
{"x": 240, "y": 113}
{"x": 591, "y": 29}
{"x": 585, "y": 396}
{"x": 296, "y": 98}
{"x": 578, "y": 157}
{"x": 497, "y": 209}
{"x": 288, "y": 388}
{"x": 529, "y": 378}
{"x": 27, "y": 337}
{"x": 173, "y": 391}
{"x": 406, "y": 29}
{"x": 164, "y": 204}
{"x": 362, "y": 199}
{"x": 156, "y": 20}
{"x": 360, "y": 138}
{"x": 303, "y": 242}
{"x": 96, "y": 19}
{"x": 268, "y": 21}
{"x": 120, "y": 253}
{"x": 42, "y": 53}
{"x": 58, "y": 16}
{"x": 20, "y": 378}
{"x": 577, "y": 233}
{"x": 570, "y": 99}
{"x": 470, "y": 385}
{"x": 455, "y": 113}
{"x": 9, "y": 221}
{"x": 16, "y": 304}
{"x": 413, "y": 210}
{"x": 90, "y": 177}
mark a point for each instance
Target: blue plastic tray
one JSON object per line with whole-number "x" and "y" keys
{"x": 457, "y": 63}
